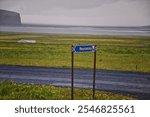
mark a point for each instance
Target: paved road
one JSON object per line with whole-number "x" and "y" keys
{"x": 116, "y": 81}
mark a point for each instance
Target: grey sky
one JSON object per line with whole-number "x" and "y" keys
{"x": 81, "y": 12}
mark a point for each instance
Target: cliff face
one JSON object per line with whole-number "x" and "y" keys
{"x": 9, "y": 18}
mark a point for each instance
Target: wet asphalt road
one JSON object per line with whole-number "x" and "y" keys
{"x": 134, "y": 83}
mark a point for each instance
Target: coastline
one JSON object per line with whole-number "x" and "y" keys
{"x": 91, "y": 30}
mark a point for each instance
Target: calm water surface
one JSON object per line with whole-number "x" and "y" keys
{"x": 143, "y": 31}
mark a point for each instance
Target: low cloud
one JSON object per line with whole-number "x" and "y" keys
{"x": 31, "y": 6}
{"x": 87, "y": 12}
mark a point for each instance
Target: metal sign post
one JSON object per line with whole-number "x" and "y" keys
{"x": 72, "y": 75}
{"x": 82, "y": 49}
{"x": 94, "y": 75}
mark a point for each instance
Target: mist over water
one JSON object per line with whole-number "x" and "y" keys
{"x": 143, "y": 31}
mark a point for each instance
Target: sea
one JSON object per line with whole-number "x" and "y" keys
{"x": 93, "y": 30}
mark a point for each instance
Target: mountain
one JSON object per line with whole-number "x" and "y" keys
{"x": 9, "y": 18}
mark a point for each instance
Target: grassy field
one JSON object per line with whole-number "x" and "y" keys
{"x": 125, "y": 53}
{"x": 13, "y": 91}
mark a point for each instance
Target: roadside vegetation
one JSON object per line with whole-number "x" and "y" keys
{"x": 125, "y": 53}
{"x": 13, "y": 91}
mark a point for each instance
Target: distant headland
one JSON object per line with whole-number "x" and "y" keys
{"x": 9, "y": 18}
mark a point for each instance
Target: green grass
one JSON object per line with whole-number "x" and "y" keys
{"x": 125, "y": 53}
{"x": 13, "y": 91}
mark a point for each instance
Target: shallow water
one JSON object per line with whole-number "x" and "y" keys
{"x": 143, "y": 31}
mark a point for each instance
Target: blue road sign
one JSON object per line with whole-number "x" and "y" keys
{"x": 84, "y": 48}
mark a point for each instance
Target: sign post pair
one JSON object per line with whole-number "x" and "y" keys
{"x": 82, "y": 49}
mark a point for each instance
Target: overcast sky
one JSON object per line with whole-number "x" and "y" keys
{"x": 81, "y": 12}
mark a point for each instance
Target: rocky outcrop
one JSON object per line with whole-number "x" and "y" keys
{"x": 9, "y": 18}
